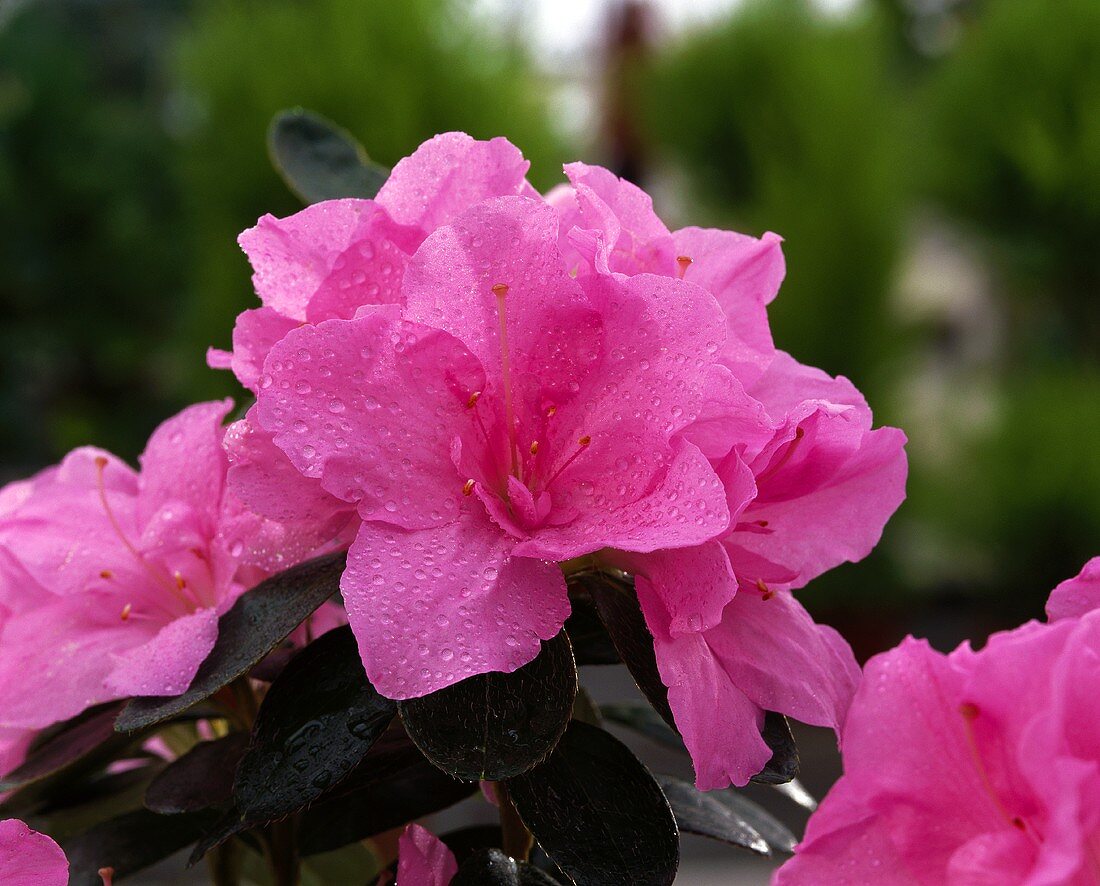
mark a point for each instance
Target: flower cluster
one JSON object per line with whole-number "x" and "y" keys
{"x": 478, "y": 392}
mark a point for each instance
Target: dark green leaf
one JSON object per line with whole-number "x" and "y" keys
{"x": 491, "y": 867}
{"x": 85, "y": 738}
{"x": 598, "y": 812}
{"x": 129, "y": 843}
{"x": 317, "y": 722}
{"x": 393, "y": 785}
{"x": 703, "y": 814}
{"x": 783, "y": 766}
{"x": 645, "y": 721}
{"x": 320, "y": 161}
{"x": 492, "y": 726}
{"x": 622, "y": 616}
{"x": 200, "y": 779}
{"x": 255, "y": 625}
{"x": 591, "y": 644}
{"x": 774, "y": 832}
{"x": 217, "y": 832}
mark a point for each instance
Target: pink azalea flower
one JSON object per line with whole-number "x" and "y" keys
{"x": 28, "y": 858}
{"x": 507, "y": 418}
{"x": 809, "y": 485}
{"x": 972, "y": 767}
{"x": 423, "y": 859}
{"x": 1078, "y": 595}
{"x": 115, "y": 579}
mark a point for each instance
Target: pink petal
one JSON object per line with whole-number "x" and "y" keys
{"x": 370, "y": 406}
{"x": 774, "y": 652}
{"x": 184, "y": 462}
{"x": 1078, "y": 595}
{"x": 14, "y": 742}
{"x": 553, "y": 335}
{"x": 787, "y": 384}
{"x": 166, "y": 664}
{"x": 431, "y": 607}
{"x": 693, "y": 584}
{"x": 292, "y": 257}
{"x": 635, "y": 239}
{"x": 57, "y": 657}
{"x": 449, "y": 173}
{"x": 744, "y": 275}
{"x": 28, "y": 858}
{"x": 423, "y": 860}
{"x": 701, "y": 695}
{"x": 254, "y": 335}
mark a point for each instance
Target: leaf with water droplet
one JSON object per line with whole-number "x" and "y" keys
{"x": 492, "y": 726}
{"x": 261, "y": 619}
{"x": 316, "y": 724}
{"x": 319, "y": 160}
{"x": 598, "y": 813}
{"x": 491, "y": 867}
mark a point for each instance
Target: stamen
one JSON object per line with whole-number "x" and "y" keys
{"x": 683, "y": 262}
{"x": 766, "y": 593}
{"x": 583, "y": 443}
{"x": 474, "y": 397}
{"x": 158, "y": 577}
{"x": 535, "y": 447}
{"x": 763, "y": 524}
{"x": 107, "y": 875}
{"x": 772, "y": 470}
{"x": 106, "y": 573}
{"x": 550, "y": 412}
{"x": 468, "y": 487}
{"x": 500, "y": 290}
{"x": 126, "y": 611}
{"x": 180, "y": 583}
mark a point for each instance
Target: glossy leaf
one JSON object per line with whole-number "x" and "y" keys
{"x": 645, "y": 721}
{"x": 598, "y": 813}
{"x": 200, "y": 779}
{"x": 492, "y": 726}
{"x": 256, "y": 624}
{"x": 393, "y": 785}
{"x": 622, "y": 616}
{"x": 776, "y": 834}
{"x": 317, "y": 722}
{"x": 783, "y": 765}
{"x": 701, "y": 813}
{"x": 319, "y": 160}
{"x": 491, "y": 867}
{"x": 86, "y": 737}
{"x": 129, "y": 843}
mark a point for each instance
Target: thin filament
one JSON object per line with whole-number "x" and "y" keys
{"x": 500, "y": 290}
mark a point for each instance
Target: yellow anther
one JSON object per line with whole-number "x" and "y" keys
{"x": 180, "y": 583}
{"x": 683, "y": 262}
{"x": 550, "y": 412}
{"x": 500, "y": 289}
{"x": 534, "y": 447}
{"x": 101, "y": 461}
{"x": 468, "y": 487}
{"x": 126, "y": 611}
{"x": 474, "y": 397}
{"x": 584, "y": 441}
{"x": 106, "y": 573}
{"x": 766, "y": 592}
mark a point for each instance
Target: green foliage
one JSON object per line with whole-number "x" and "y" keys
{"x": 392, "y": 74}
{"x": 1014, "y": 117}
{"x": 93, "y": 257}
{"x": 788, "y": 121}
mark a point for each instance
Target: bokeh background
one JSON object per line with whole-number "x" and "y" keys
{"x": 934, "y": 166}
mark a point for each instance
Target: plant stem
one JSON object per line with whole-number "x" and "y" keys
{"x": 282, "y": 845}
{"x": 516, "y": 838}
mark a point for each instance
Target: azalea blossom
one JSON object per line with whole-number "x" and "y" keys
{"x": 28, "y": 858}
{"x": 501, "y": 329}
{"x": 1077, "y": 595}
{"x": 114, "y": 579}
{"x": 972, "y": 767}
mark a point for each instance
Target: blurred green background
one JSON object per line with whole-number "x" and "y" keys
{"x": 934, "y": 167}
